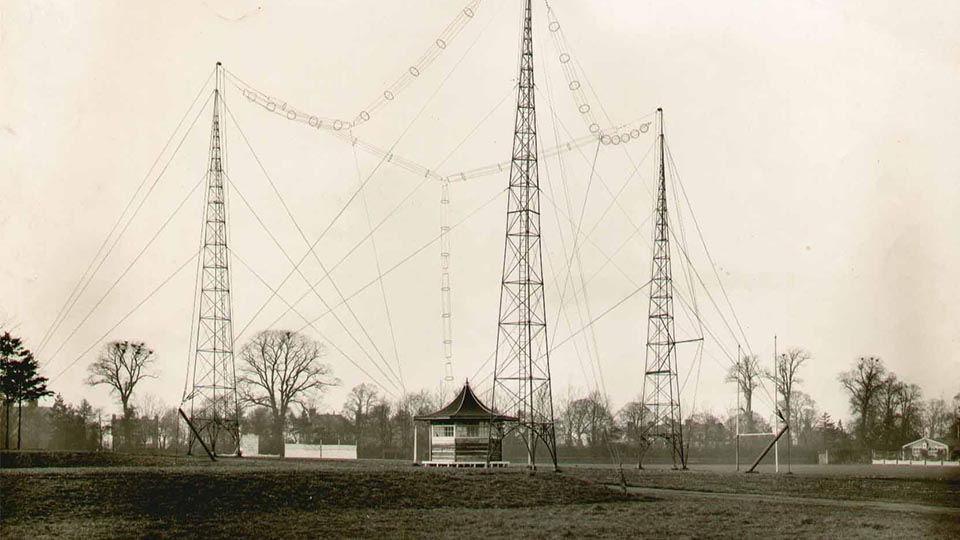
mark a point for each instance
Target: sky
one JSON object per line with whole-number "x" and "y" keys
{"x": 815, "y": 146}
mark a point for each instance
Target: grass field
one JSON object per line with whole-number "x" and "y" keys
{"x": 161, "y": 497}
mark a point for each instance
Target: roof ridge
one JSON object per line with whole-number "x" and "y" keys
{"x": 460, "y": 408}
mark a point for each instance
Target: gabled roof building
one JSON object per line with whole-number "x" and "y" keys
{"x": 926, "y": 448}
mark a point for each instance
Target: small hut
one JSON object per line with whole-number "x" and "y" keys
{"x": 463, "y": 432}
{"x": 924, "y": 449}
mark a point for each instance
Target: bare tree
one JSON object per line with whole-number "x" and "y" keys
{"x": 910, "y": 413}
{"x": 121, "y": 366}
{"x": 804, "y": 417}
{"x": 170, "y": 429}
{"x": 408, "y": 406}
{"x": 863, "y": 383}
{"x": 937, "y": 418}
{"x": 360, "y": 402}
{"x": 785, "y": 380}
{"x": 279, "y": 369}
{"x": 149, "y": 406}
{"x": 415, "y": 403}
{"x": 569, "y": 422}
{"x": 380, "y": 426}
{"x": 601, "y": 419}
{"x": 630, "y": 416}
{"x": 885, "y": 410}
{"x": 746, "y": 373}
{"x": 956, "y": 418}
{"x": 585, "y": 420}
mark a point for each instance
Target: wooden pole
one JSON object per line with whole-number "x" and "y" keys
{"x": 738, "y": 415}
{"x": 776, "y": 406}
{"x": 414, "y": 442}
{"x": 739, "y": 378}
{"x": 767, "y": 449}
{"x": 197, "y": 435}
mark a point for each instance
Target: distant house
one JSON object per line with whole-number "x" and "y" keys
{"x": 925, "y": 448}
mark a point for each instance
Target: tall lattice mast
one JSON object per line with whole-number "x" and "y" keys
{"x": 522, "y": 371}
{"x": 214, "y": 406}
{"x": 660, "y": 415}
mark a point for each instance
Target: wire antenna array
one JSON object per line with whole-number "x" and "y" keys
{"x": 445, "y": 301}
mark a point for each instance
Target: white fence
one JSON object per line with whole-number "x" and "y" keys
{"x": 249, "y": 445}
{"x": 920, "y": 462}
{"x": 320, "y": 451}
{"x": 340, "y": 451}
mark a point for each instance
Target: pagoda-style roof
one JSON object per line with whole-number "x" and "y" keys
{"x": 466, "y": 406}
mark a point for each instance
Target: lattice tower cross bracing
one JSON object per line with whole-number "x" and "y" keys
{"x": 214, "y": 404}
{"x": 660, "y": 415}
{"x": 522, "y": 385}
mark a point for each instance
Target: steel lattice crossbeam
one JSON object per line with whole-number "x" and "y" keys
{"x": 660, "y": 415}
{"x": 522, "y": 385}
{"x": 214, "y": 405}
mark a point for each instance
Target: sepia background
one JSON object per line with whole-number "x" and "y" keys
{"x": 817, "y": 143}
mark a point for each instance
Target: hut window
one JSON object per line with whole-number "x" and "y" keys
{"x": 468, "y": 431}
{"x": 443, "y": 431}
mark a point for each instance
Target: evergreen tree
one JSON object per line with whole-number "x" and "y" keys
{"x": 19, "y": 381}
{"x": 61, "y": 417}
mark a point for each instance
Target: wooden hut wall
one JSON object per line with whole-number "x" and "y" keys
{"x": 460, "y": 448}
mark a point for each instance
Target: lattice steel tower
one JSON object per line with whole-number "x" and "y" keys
{"x": 660, "y": 416}
{"x": 522, "y": 370}
{"x": 214, "y": 406}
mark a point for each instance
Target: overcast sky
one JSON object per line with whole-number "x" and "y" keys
{"x": 817, "y": 143}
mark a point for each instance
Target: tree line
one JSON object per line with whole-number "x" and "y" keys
{"x": 890, "y": 412}
{"x": 281, "y": 378}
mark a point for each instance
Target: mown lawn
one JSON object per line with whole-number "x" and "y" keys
{"x": 941, "y": 490}
{"x": 272, "y": 499}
